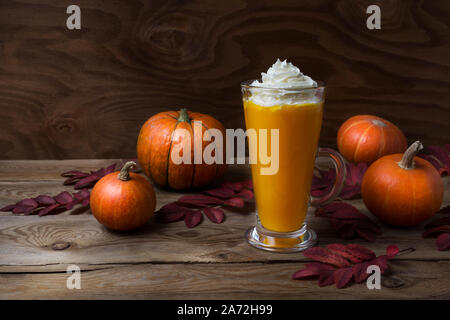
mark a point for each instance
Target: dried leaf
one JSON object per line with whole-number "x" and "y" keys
{"x": 312, "y": 269}
{"x": 342, "y": 250}
{"x": 170, "y": 213}
{"x": 8, "y": 208}
{"x": 441, "y": 154}
{"x": 44, "y": 200}
{"x": 234, "y": 202}
{"x": 72, "y": 173}
{"x": 222, "y": 192}
{"x": 25, "y": 206}
{"x": 245, "y": 194}
{"x": 360, "y": 251}
{"x": 82, "y": 194}
{"x": 325, "y": 267}
{"x": 216, "y": 215}
{"x": 360, "y": 271}
{"x": 342, "y": 277}
{"x": 325, "y": 256}
{"x": 348, "y": 221}
{"x": 443, "y": 242}
{"x": 49, "y": 209}
{"x": 247, "y": 184}
{"x": 392, "y": 251}
{"x": 87, "y": 182}
{"x": 198, "y": 200}
{"x": 438, "y": 222}
{"x": 193, "y": 218}
{"x": 64, "y": 198}
{"x": 433, "y": 232}
{"x": 326, "y": 278}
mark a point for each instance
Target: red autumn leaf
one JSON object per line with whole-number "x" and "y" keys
{"x": 82, "y": 194}
{"x": 85, "y": 202}
{"x": 343, "y": 251}
{"x": 64, "y": 198}
{"x": 326, "y": 278}
{"x": 49, "y": 209}
{"x": 234, "y": 202}
{"x": 360, "y": 251}
{"x": 73, "y": 173}
{"x": 312, "y": 269}
{"x": 342, "y": 277}
{"x": 222, "y": 192}
{"x": 245, "y": 194}
{"x": 247, "y": 184}
{"x": 86, "y": 182}
{"x": 170, "y": 213}
{"x": 438, "y": 222}
{"x": 216, "y": 215}
{"x": 323, "y": 180}
{"x": 360, "y": 271}
{"x": 8, "y": 208}
{"x": 345, "y": 273}
{"x": 198, "y": 200}
{"x": 433, "y": 232}
{"x": 325, "y": 256}
{"x": 381, "y": 262}
{"x": 431, "y": 160}
{"x": 441, "y": 154}
{"x": 25, "y": 206}
{"x": 348, "y": 221}
{"x": 237, "y": 186}
{"x": 75, "y": 178}
{"x": 45, "y": 200}
{"x": 443, "y": 242}
{"x": 209, "y": 201}
{"x": 193, "y": 218}
{"x": 392, "y": 251}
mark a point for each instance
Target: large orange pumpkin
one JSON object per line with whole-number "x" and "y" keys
{"x": 156, "y": 144}
{"x": 366, "y": 138}
{"x": 403, "y": 190}
{"x": 123, "y": 200}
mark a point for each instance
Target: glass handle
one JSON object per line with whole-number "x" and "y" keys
{"x": 339, "y": 165}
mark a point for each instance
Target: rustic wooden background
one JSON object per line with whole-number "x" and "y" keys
{"x": 85, "y": 93}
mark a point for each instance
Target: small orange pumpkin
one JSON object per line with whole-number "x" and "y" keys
{"x": 403, "y": 190}
{"x": 156, "y": 143}
{"x": 123, "y": 200}
{"x": 366, "y": 138}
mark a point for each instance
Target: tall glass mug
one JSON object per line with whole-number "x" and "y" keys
{"x": 283, "y": 196}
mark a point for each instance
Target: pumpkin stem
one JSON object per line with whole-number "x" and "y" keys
{"x": 183, "y": 115}
{"x": 124, "y": 173}
{"x": 407, "y": 161}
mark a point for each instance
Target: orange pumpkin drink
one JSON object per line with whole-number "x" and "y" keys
{"x": 292, "y": 103}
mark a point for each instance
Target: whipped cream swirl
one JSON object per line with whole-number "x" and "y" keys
{"x": 283, "y": 77}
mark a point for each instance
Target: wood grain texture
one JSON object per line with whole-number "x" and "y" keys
{"x": 408, "y": 280}
{"x": 85, "y": 93}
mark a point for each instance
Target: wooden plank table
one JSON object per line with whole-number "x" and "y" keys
{"x": 170, "y": 261}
